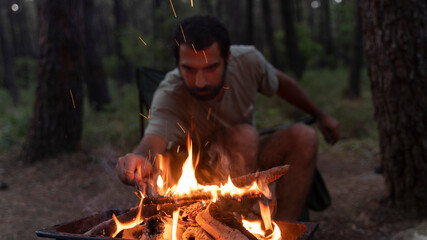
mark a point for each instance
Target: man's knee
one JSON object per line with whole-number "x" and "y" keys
{"x": 242, "y": 133}
{"x": 305, "y": 135}
{"x": 304, "y": 139}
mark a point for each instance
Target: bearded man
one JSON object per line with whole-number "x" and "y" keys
{"x": 212, "y": 93}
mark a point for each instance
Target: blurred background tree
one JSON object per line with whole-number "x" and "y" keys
{"x": 315, "y": 41}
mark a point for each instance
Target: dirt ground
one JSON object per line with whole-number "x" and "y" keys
{"x": 72, "y": 186}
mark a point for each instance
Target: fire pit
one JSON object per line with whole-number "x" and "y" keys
{"x": 192, "y": 211}
{"x": 75, "y": 229}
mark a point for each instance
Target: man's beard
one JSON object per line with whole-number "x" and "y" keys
{"x": 208, "y": 92}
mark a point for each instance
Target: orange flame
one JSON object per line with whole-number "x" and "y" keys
{"x": 188, "y": 185}
{"x": 272, "y": 230}
{"x": 137, "y": 220}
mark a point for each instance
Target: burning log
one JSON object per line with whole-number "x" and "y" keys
{"x": 192, "y": 198}
{"x": 263, "y": 178}
{"x": 108, "y": 227}
{"x": 221, "y": 224}
{"x": 196, "y": 233}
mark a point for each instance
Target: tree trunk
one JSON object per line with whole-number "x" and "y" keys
{"x": 294, "y": 56}
{"x": 96, "y": 83}
{"x": 326, "y": 36}
{"x": 249, "y": 22}
{"x": 234, "y": 20}
{"x": 395, "y": 46}
{"x": 56, "y": 125}
{"x": 269, "y": 36}
{"x": 299, "y": 10}
{"x": 7, "y": 59}
{"x": 353, "y": 90}
{"x": 124, "y": 74}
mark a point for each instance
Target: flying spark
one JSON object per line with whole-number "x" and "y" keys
{"x": 181, "y": 127}
{"x": 145, "y": 116}
{"x": 209, "y": 114}
{"x": 72, "y": 99}
{"x": 176, "y": 42}
{"x": 206, "y": 59}
{"x": 174, "y": 13}
{"x": 142, "y": 41}
{"x": 191, "y": 3}
{"x": 182, "y": 32}
{"x": 194, "y": 48}
{"x": 177, "y": 150}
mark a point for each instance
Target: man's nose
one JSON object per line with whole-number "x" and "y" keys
{"x": 200, "y": 79}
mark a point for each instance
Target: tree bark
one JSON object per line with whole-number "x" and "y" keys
{"x": 395, "y": 46}
{"x": 291, "y": 39}
{"x": 269, "y": 36}
{"x": 353, "y": 90}
{"x": 56, "y": 125}
{"x": 96, "y": 83}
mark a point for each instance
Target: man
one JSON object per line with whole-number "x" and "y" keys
{"x": 213, "y": 90}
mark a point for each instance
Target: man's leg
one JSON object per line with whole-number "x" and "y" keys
{"x": 233, "y": 151}
{"x": 297, "y": 146}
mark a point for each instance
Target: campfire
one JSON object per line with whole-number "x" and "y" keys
{"x": 236, "y": 209}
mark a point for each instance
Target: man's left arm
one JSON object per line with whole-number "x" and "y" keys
{"x": 290, "y": 91}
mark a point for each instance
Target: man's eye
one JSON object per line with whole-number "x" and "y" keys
{"x": 211, "y": 68}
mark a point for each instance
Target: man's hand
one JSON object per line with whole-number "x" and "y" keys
{"x": 133, "y": 168}
{"x": 329, "y": 127}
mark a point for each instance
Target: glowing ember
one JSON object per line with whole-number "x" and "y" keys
{"x": 174, "y": 13}
{"x": 142, "y": 41}
{"x": 72, "y": 99}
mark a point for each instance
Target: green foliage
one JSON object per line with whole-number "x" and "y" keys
{"x": 311, "y": 51}
{"x": 156, "y": 54}
{"x": 119, "y": 126}
{"x": 325, "y": 88}
{"x": 111, "y": 64}
{"x": 25, "y": 69}
{"x": 14, "y": 120}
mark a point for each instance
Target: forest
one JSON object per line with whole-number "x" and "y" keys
{"x": 69, "y": 103}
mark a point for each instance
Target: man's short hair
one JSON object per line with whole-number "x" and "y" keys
{"x": 201, "y": 31}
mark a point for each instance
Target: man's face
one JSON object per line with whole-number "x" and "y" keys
{"x": 203, "y": 76}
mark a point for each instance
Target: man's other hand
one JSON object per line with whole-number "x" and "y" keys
{"x": 133, "y": 168}
{"x": 329, "y": 127}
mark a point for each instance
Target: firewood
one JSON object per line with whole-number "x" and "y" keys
{"x": 108, "y": 227}
{"x": 192, "y": 198}
{"x": 264, "y": 177}
{"x": 222, "y": 225}
{"x": 196, "y": 233}
{"x": 133, "y": 233}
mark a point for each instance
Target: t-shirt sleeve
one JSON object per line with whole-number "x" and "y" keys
{"x": 266, "y": 77}
{"x": 164, "y": 114}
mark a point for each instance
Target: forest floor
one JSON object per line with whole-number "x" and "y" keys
{"x": 72, "y": 186}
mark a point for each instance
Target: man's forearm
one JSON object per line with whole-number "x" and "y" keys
{"x": 149, "y": 146}
{"x": 293, "y": 93}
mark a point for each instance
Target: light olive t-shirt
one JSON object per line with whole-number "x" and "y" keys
{"x": 173, "y": 108}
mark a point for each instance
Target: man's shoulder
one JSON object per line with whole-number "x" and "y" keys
{"x": 238, "y": 51}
